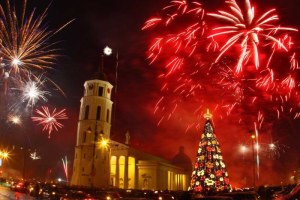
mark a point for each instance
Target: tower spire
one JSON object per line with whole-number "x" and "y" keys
{"x": 102, "y": 63}
{"x": 100, "y": 75}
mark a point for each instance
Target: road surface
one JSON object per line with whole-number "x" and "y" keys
{"x": 7, "y": 194}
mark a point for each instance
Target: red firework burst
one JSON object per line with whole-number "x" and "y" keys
{"x": 179, "y": 43}
{"x": 261, "y": 80}
{"x": 249, "y": 32}
{"x": 48, "y": 119}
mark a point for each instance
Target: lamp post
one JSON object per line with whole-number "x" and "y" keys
{"x": 254, "y": 163}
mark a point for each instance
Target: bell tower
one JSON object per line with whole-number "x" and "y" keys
{"x": 91, "y": 161}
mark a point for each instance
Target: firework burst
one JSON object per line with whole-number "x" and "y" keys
{"x": 249, "y": 32}
{"x": 179, "y": 44}
{"x": 25, "y": 40}
{"x": 14, "y": 119}
{"x": 31, "y": 88}
{"x": 48, "y": 119}
{"x": 201, "y": 68}
{"x": 34, "y": 156}
{"x": 65, "y": 166}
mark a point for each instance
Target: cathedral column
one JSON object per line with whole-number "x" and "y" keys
{"x": 126, "y": 173}
{"x": 117, "y": 172}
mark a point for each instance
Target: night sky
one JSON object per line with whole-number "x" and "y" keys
{"x": 118, "y": 23}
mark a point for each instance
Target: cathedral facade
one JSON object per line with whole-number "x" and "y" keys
{"x": 102, "y": 162}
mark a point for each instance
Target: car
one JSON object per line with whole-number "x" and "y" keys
{"x": 134, "y": 195}
{"x": 158, "y": 195}
{"x": 212, "y": 198}
{"x": 164, "y": 197}
{"x": 106, "y": 195}
{"x": 293, "y": 194}
{"x": 20, "y": 186}
{"x": 248, "y": 195}
{"x": 76, "y": 195}
{"x": 52, "y": 191}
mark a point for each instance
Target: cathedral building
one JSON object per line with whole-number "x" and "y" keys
{"x": 102, "y": 162}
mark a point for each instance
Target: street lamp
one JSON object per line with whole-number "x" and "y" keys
{"x": 94, "y": 152}
{"x": 4, "y": 155}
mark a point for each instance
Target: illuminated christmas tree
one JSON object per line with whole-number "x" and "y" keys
{"x": 209, "y": 172}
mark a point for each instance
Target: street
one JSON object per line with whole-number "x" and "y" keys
{"x": 7, "y": 194}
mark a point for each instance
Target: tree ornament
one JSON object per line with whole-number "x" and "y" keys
{"x": 219, "y": 173}
{"x": 202, "y": 172}
{"x": 209, "y": 165}
{"x": 201, "y": 157}
{"x": 208, "y": 148}
{"x": 209, "y": 182}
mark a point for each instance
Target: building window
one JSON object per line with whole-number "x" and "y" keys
{"x": 86, "y": 113}
{"x": 98, "y": 113}
{"x": 82, "y": 169}
{"x": 107, "y": 116}
{"x": 100, "y": 91}
{"x": 84, "y": 137}
{"x": 84, "y": 155}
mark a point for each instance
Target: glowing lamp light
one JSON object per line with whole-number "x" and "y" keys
{"x": 253, "y": 137}
{"x": 4, "y": 154}
{"x": 107, "y": 51}
{"x": 272, "y": 146}
{"x": 243, "y": 148}
{"x": 16, "y": 61}
{"x": 104, "y": 143}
